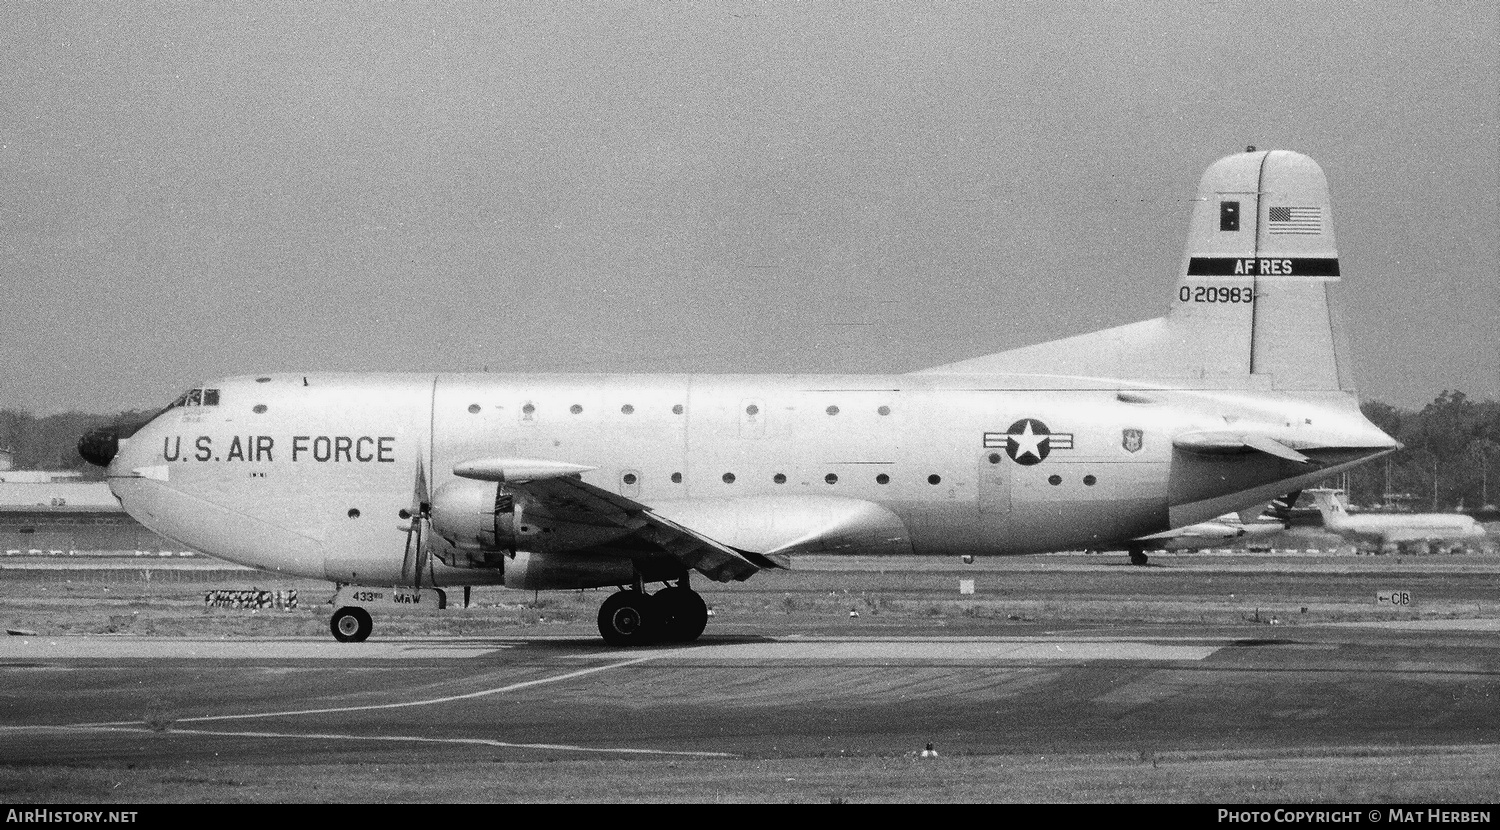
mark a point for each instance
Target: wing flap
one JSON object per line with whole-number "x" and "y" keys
{"x": 570, "y": 498}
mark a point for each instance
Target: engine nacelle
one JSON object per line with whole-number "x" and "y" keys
{"x": 487, "y": 520}
{"x": 566, "y": 571}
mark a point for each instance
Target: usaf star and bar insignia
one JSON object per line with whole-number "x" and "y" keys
{"x": 1029, "y": 441}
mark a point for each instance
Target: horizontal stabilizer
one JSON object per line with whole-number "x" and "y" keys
{"x": 1214, "y": 443}
{"x": 1270, "y": 446}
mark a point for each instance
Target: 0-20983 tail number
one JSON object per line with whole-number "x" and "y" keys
{"x": 1215, "y": 294}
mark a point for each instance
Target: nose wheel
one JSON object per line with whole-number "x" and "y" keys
{"x": 351, "y": 624}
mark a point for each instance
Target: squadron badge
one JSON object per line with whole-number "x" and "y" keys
{"x": 1028, "y": 441}
{"x": 1131, "y": 439}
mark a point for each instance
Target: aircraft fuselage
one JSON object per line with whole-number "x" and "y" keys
{"x": 309, "y": 474}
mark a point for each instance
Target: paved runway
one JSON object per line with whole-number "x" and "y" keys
{"x": 122, "y": 699}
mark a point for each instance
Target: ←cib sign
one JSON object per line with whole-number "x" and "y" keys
{"x": 1395, "y": 598}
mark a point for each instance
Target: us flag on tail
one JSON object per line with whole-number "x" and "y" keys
{"x": 1295, "y": 220}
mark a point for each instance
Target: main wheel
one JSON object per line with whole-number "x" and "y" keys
{"x": 351, "y": 624}
{"x": 684, "y": 614}
{"x": 629, "y": 618}
{"x": 1138, "y": 557}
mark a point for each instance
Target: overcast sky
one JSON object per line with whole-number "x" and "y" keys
{"x": 190, "y": 191}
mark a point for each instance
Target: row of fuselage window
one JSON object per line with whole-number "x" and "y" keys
{"x": 780, "y": 478}
{"x": 631, "y": 479}
{"x": 529, "y": 409}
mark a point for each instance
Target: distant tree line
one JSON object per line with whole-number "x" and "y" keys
{"x": 1450, "y": 457}
{"x": 51, "y": 443}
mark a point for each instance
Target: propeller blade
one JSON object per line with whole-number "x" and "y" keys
{"x": 415, "y": 558}
{"x": 407, "y": 560}
{"x": 423, "y": 549}
{"x": 419, "y": 497}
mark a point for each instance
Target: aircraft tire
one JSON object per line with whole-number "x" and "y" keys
{"x": 1138, "y": 557}
{"x": 684, "y": 614}
{"x": 351, "y": 624}
{"x": 629, "y": 618}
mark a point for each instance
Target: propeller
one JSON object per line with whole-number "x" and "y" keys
{"x": 417, "y": 544}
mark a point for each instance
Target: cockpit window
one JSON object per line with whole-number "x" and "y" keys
{"x": 197, "y": 397}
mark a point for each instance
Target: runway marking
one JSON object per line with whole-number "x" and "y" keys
{"x": 1423, "y": 625}
{"x": 406, "y": 704}
{"x": 135, "y": 726}
{"x": 402, "y": 738}
{"x": 930, "y": 650}
{"x": 127, "y": 648}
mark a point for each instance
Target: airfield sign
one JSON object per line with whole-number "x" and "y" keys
{"x": 1395, "y": 598}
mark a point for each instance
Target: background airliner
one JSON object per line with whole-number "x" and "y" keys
{"x": 1391, "y": 531}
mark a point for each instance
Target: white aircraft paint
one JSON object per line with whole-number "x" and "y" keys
{"x": 1393, "y": 529}
{"x": 1241, "y": 393}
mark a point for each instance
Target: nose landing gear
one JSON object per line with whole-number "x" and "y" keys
{"x": 351, "y": 624}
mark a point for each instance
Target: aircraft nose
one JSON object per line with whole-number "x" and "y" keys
{"x": 99, "y": 446}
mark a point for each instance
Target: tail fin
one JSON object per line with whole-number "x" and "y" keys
{"x": 1330, "y": 503}
{"x": 1250, "y": 308}
{"x": 1253, "y": 287}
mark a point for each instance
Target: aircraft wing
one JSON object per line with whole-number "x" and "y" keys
{"x": 724, "y": 538}
{"x": 573, "y": 499}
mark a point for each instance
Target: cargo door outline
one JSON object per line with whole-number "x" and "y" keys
{"x": 994, "y": 483}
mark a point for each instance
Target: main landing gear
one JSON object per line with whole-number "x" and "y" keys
{"x": 632, "y": 617}
{"x": 1137, "y": 556}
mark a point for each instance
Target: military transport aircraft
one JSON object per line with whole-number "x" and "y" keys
{"x": 1394, "y": 530}
{"x": 393, "y": 484}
